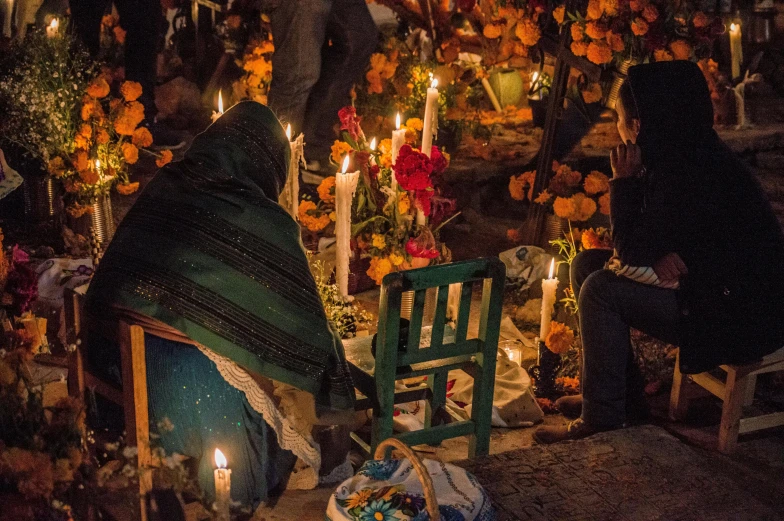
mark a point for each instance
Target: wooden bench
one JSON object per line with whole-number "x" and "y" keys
{"x": 736, "y": 392}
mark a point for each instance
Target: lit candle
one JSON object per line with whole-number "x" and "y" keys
{"x": 289, "y": 197}
{"x": 216, "y": 115}
{"x": 372, "y": 149}
{"x": 512, "y": 350}
{"x": 51, "y": 29}
{"x": 534, "y": 79}
{"x": 430, "y": 125}
{"x": 222, "y": 487}
{"x": 398, "y": 140}
{"x": 98, "y": 169}
{"x": 345, "y": 186}
{"x": 736, "y": 49}
{"x": 549, "y": 286}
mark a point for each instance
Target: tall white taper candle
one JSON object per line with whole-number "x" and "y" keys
{"x": 222, "y": 487}
{"x": 345, "y": 186}
{"x": 549, "y": 286}
{"x": 430, "y": 125}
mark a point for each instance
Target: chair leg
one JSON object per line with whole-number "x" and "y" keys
{"x": 482, "y": 407}
{"x": 437, "y": 383}
{"x": 383, "y": 418}
{"x": 679, "y": 395}
{"x": 751, "y": 386}
{"x": 734, "y": 397}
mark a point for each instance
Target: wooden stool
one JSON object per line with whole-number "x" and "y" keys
{"x": 736, "y": 392}
{"x": 133, "y": 395}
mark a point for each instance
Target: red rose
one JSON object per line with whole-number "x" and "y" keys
{"x": 349, "y": 121}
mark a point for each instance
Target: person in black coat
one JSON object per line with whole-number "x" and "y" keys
{"x": 683, "y": 205}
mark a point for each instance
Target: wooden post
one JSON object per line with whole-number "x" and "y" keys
{"x": 679, "y": 398}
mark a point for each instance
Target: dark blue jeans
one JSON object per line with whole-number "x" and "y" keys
{"x": 321, "y": 49}
{"x": 609, "y": 306}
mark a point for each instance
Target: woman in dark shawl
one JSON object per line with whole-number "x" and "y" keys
{"x": 685, "y": 208}
{"x": 211, "y": 264}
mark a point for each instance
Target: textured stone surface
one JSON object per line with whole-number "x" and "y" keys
{"x": 633, "y": 474}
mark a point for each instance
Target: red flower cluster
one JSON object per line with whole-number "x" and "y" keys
{"x": 416, "y": 173}
{"x": 423, "y": 247}
{"x": 349, "y": 121}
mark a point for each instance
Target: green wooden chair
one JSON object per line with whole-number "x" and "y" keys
{"x": 476, "y": 356}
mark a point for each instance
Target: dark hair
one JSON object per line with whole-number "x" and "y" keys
{"x": 626, "y": 98}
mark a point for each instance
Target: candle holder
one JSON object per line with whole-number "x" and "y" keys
{"x": 543, "y": 373}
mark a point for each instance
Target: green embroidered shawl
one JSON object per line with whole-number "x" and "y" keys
{"x": 207, "y": 250}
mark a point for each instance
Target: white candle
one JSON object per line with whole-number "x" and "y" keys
{"x": 289, "y": 197}
{"x": 513, "y": 350}
{"x": 549, "y": 286}
{"x": 421, "y": 218}
{"x": 52, "y": 28}
{"x": 736, "y": 49}
{"x": 430, "y": 125}
{"x": 345, "y": 186}
{"x": 398, "y": 140}
{"x": 534, "y": 79}
{"x": 222, "y": 487}
{"x": 373, "y": 149}
{"x": 216, "y": 115}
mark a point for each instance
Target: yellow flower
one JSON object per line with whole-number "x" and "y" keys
{"x": 639, "y": 27}
{"x": 584, "y": 207}
{"x": 597, "y": 239}
{"x": 131, "y": 90}
{"x": 560, "y": 338}
{"x": 594, "y": 11}
{"x": 543, "y": 197}
{"x": 379, "y": 268}
{"x": 568, "y": 383}
{"x": 599, "y": 53}
{"x": 98, "y": 88}
{"x": 579, "y": 48}
{"x": 578, "y": 33}
{"x": 563, "y": 207}
{"x": 596, "y": 183}
{"x": 165, "y": 159}
{"x": 596, "y": 30}
{"x": 415, "y": 124}
{"x": 379, "y": 241}
{"x": 396, "y": 259}
{"x": 358, "y": 499}
{"x": 492, "y": 31}
{"x": 604, "y": 204}
{"x": 326, "y": 189}
{"x": 681, "y": 50}
{"x": 339, "y": 150}
{"x": 130, "y": 153}
{"x": 528, "y": 32}
{"x": 142, "y": 137}
{"x": 314, "y": 223}
{"x": 609, "y": 7}
{"x": 518, "y": 184}
{"x": 128, "y": 118}
{"x": 403, "y": 204}
{"x": 56, "y": 167}
{"x": 559, "y": 13}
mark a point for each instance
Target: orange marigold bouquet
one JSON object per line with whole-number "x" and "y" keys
{"x": 641, "y": 30}
{"x": 257, "y": 65}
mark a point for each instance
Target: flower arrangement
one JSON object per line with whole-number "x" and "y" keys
{"x": 640, "y": 30}
{"x": 347, "y": 317}
{"x": 257, "y": 66}
{"x": 398, "y": 210}
{"x": 569, "y": 194}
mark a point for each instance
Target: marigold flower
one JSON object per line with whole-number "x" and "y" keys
{"x": 638, "y": 5}
{"x": 81, "y": 142}
{"x": 130, "y": 153}
{"x": 528, "y": 32}
{"x": 594, "y": 11}
{"x": 609, "y": 7}
{"x": 379, "y": 241}
{"x": 127, "y": 188}
{"x": 615, "y": 41}
{"x": 518, "y": 184}
{"x": 599, "y": 53}
{"x": 264, "y": 47}
{"x": 128, "y": 118}
{"x": 513, "y": 235}
{"x": 597, "y": 239}
{"x": 119, "y": 34}
{"x": 578, "y": 33}
{"x": 80, "y": 161}
{"x": 165, "y": 159}
{"x": 584, "y": 206}
{"x": 98, "y": 88}
{"x": 639, "y": 26}
{"x": 131, "y": 90}
{"x": 559, "y": 13}
{"x": 543, "y": 197}
{"x": 56, "y": 167}
{"x": 415, "y": 124}
{"x": 326, "y": 189}
{"x": 142, "y": 137}
{"x": 339, "y": 150}
{"x": 650, "y": 13}
{"x": 89, "y": 176}
{"x": 662, "y": 55}
{"x": 560, "y": 338}
{"x": 379, "y": 268}
{"x": 593, "y": 93}
{"x": 579, "y": 48}
{"x": 604, "y": 204}
{"x": 700, "y": 20}
{"x": 596, "y": 30}
{"x": 596, "y": 183}
{"x": 403, "y": 204}
{"x": 563, "y": 207}
{"x": 86, "y": 130}
{"x": 311, "y": 218}
{"x": 568, "y": 383}
{"x": 396, "y": 259}
{"x": 492, "y": 31}
{"x": 681, "y": 50}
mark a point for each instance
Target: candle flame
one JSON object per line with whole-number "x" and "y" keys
{"x": 220, "y": 459}
{"x": 54, "y": 24}
{"x": 397, "y": 121}
{"x": 98, "y": 165}
{"x": 733, "y": 27}
{"x": 288, "y": 131}
{"x": 345, "y": 165}
{"x": 220, "y": 101}
{"x": 552, "y": 269}
{"x": 373, "y": 144}
{"x": 434, "y": 83}
{"x": 534, "y": 76}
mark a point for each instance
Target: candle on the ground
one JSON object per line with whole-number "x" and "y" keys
{"x": 289, "y": 197}
{"x": 345, "y": 186}
{"x": 513, "y": 350}
{"x": 216, "y": 115}
{"x": 430, "y": 125}
{"x": 222, "y": 487}
{"x": 736, "y": 49}
{"x": 398, "y": 140}
{"x": 549, "y": 285}
{"x": 52, "y": 28}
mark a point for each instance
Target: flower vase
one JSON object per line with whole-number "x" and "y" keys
{"x": 43, "y": 200}
{"x": 545, "y": 371}
{"x": 101, "y": 225}
{"x": 407, "y": 306}
{"x": 619, "y": 76}
{"x": 553, "y": 230}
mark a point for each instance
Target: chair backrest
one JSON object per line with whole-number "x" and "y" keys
{"x": 490, "y": 273}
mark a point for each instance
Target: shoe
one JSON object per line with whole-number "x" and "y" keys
{"x": 165, "y": 138}
{"x": 574, "y": 430}
{"x": 571, "y": 407}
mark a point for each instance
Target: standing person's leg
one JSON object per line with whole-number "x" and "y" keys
{"x": 354, "y": 37}
{"x": 86, "y": 18}
{"x": 298, "y": 32}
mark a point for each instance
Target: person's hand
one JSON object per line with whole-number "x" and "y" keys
{"x": 670, "y": 268}
{"x": 626, "y": 160}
